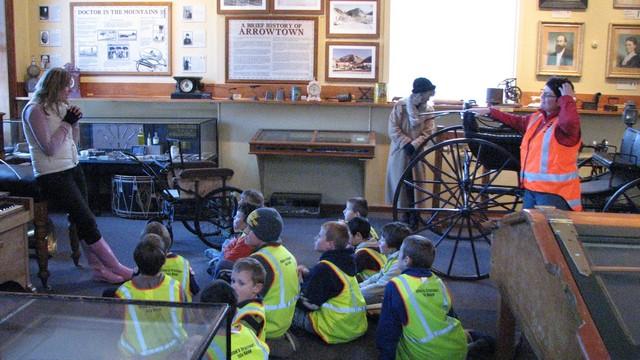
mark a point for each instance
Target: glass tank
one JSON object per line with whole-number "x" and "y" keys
{"x": 73, "y": 327}
{"x": 198, "y": 137}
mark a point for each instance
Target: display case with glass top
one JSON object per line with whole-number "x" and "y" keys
{"x": 72, "y": 327}
{"x": 101, "y": 136}
{"x": 322, "y": 143}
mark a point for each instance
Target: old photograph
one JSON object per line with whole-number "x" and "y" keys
{"x": 127, "y": 35}
{"x": 352, "y": 18}
{"x": 352, "y": 61}
{"x": 118, "y": 52}
{"x": 107, "y": 35}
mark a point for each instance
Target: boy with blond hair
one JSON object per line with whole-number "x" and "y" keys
{"x": 331, "y": 305}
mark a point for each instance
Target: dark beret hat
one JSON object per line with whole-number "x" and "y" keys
{"x": 422, "y": 85}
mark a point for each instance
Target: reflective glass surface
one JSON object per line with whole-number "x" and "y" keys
{"x": 66, "y": 327}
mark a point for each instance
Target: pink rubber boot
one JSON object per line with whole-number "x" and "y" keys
{"x": 100, "y": 272}
{"x": 103, "y": 252}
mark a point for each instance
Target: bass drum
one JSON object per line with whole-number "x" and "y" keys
{"x": 135, "y": 197}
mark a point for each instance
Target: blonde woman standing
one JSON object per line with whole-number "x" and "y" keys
{"x": 51, "y": 129}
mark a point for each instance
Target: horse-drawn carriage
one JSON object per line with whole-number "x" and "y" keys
{"x": 469, "y": 178}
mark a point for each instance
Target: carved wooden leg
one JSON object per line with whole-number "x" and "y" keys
{"x": 41, "y": 222}
{"x": 506, "y": 331}
{"x": 75, "y": 242}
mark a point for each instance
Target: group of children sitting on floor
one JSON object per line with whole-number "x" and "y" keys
{"x": 269, "y": 292}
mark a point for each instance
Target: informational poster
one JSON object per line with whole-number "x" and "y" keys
{"x": 271, "y": 49}
{"x": 121, "y": 38}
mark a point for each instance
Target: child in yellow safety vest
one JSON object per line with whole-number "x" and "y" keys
{"x": 150, "y": 331}
{"x": 392, "y": 236}
{"x": 247, "y": 279}
{"x": 245, "y": 345}
{"x": 369, "y": 259}
{"x": 331, "y": 304}
{"x": 417, "y": 319}
{"x": 175, "y": 265}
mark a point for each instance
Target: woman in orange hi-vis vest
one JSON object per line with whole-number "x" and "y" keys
{"x": 550, "y": 147}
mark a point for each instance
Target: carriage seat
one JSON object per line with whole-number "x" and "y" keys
{"x": 623, "y": 165}
{"x": 629, "y": 155}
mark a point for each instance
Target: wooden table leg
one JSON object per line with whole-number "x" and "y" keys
{"x": 75, "y": 242}
{"x": 506, "y": 332}
{"x": 41, "y": 222}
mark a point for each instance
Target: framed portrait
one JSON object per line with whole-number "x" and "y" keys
{"x": 623, "y": 51}
{"x": 243, "y": 7}
{"x": 626, "y": 4}
{"x": 560, "y": 48}
{"x": 351, "y": 62}
{"x": 563, "y": 4}
{"x": 353, "y": 18}
{"x": 298, "y": 6}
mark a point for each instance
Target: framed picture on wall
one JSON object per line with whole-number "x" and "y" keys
{"x": 353, "y": 18}
{"x": 353, "y": 61}
{"x": 563, "y": 4}
{"x": 623, "y": 52}
{"x": 298, "y": 6}
{"x": 626, "y": 4}
{"x": 243, "y": 7}
{"x": 560, "y": 48}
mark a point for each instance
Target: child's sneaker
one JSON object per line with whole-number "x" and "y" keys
{"x": 212, "y": 253}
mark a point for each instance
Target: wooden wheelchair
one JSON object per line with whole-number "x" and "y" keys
{"x": 195, "y": 193}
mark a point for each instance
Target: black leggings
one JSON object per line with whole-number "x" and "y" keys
{"x": 68, "y": 190}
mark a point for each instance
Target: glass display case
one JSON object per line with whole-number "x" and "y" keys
{"x": 198, "y": 136}
{"x": 72, "y": 327}
{"x": 321, "y": 143}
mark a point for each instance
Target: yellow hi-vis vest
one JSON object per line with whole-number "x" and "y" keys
{"x": 379, "y": 258}
{"x": 178, "y": 268}
{"x": 280, "y": 301}
{"x": 429, "y": 332}
{"x": 150, "y": 330}
{"x": 253, "y": 309}
{"x": 245, "y": 345}
{"x": 342, "y": 318}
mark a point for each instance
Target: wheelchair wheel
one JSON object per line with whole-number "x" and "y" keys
{"x": 626, "y": 199}
{"x": 213, "y": 220}
{"x": 455, "y": 200}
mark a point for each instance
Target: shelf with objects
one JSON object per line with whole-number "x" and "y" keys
{"x": 102, "y": 140}
{"x": 40, "y": 326}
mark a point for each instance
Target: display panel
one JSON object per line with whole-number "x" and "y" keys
{"x": 121, "y": 38}
{"x": 271, "y": 49}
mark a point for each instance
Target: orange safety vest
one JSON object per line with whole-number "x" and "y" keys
{"x": 547, "y": 165}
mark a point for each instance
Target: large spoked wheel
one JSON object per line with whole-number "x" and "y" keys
{"x": 450, "y": 193}
{"x": 213, "y": 218}
{"x": 626, "y": 199}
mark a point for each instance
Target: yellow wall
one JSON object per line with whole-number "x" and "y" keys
{"x": 596, "y": 19}
{"x": 28, "y": 29}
